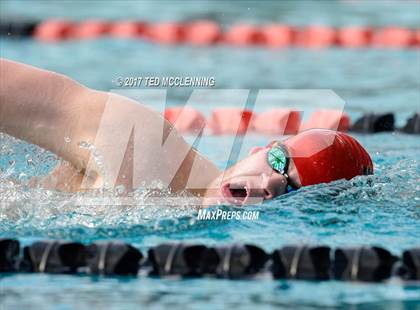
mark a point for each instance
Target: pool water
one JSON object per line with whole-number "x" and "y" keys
{"x": 382, "y": 210}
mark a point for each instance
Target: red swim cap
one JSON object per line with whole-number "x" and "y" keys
{"x": 322, "y": 156}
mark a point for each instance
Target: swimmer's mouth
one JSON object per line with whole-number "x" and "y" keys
{"x": 236, "y": 193}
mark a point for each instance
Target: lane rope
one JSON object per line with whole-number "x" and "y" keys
{"x": 236, "y": 261}
{"x": 231, "y": 120}
{"x": 208, "y": 33}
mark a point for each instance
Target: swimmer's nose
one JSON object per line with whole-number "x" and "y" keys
{"x": 272, "y": 186}
{"x": 268, "y": 194}
{"x": 265, "y": 193}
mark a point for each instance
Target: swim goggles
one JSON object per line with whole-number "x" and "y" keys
{"x": 278, "y": 159}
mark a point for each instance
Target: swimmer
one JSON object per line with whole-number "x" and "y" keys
{"x": 60, "y": 115}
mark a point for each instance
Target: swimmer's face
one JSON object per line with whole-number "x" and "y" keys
{"x": 252, "y": 180}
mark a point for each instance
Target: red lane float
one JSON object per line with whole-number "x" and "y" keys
{"x": 185, "y": 119}
{"x": 53, "y": 30}
{"x": 205, "y": 33}
{"x": 354, "y": 37}
{"x": 166, "y": 33}
{"x": 417, "y": 38}
{"x": 328, "y": 119}
{"x": 229, "y": 121}
{"x": 394, "y": 37}
{"x": 277, "y": 122}
{"x": 202, "y": 33}
{"x": 90, "y": 29}
{"x": 243, "y": 35}
{"x": 127, "y": 29}
{"x": 317, "y": 37}
{"x": 277, "y": 35}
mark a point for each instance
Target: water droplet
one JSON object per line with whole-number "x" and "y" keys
{"x": 83, "y": 145}
{"x": 120, "y": 189}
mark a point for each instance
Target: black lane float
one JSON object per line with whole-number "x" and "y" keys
{"x": 237, "y": 261}
{"x": 385, "y": 122}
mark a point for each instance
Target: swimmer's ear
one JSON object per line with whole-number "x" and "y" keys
{"x": 254, "y": 150}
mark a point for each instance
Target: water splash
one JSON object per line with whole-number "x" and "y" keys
{"x": 382, "y": 208}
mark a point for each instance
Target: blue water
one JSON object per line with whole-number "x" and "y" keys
{"x": 382, "y": 210}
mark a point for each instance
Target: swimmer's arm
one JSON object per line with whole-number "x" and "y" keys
{"x": 57, "y": 113}
{"x": 44, "y": 108}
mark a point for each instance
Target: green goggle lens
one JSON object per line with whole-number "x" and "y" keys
{"x": 277, "y": 159}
